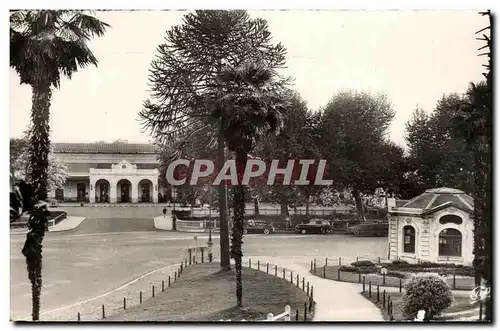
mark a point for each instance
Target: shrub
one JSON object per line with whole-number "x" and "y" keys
{"x": 395, "y": 274}
{"x": 363, "y": 263}
{"x": 426, "y": 292}
{"x": 398, "y": 262}
{"x": 348, "y": 268}
{"x": 368, "y": 270}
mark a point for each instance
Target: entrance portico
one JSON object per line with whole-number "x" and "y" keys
{"x": 123, "y": 183}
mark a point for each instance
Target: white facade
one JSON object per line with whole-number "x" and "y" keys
{"x": 442, "y": 233}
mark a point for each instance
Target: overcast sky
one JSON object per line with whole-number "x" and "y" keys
{"x": 413, "y": 56}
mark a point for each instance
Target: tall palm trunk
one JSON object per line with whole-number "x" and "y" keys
{"x": 238, "y": 224}
{"x": 225, "y": 261}
{"x": 256, "y": 206}
{"x": 39, "y": 142}
{"x": 38, "y": 161}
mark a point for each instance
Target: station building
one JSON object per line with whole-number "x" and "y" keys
{"x": 108, "y": 173}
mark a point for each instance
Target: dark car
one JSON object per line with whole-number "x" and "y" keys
{"x": 370, "y": 229}
{"x": 264, "y": 227}
{"x": 314, "y": 226}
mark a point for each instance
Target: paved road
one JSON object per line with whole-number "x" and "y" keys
{"x": 97, "y": 258}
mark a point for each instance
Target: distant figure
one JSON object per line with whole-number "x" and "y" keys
{"x": 164, "y": 211}
{"x": 174, "y": 221}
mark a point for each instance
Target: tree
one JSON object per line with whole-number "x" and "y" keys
{"x": 17, "y": 148}
{"x": 252, "y": 106}
{"x": 353, "y": 140}
{"x": 475, "y": 122}
{"x": 439, "y": 156}
{"x": 45, "y": 45}
{"x": 187, "y": 67}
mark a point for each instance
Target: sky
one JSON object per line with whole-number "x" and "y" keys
{"x": 412, "y": 56}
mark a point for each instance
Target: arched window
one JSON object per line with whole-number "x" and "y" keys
{"x": 408, "y": 239}
{"x": 450, "y": 243}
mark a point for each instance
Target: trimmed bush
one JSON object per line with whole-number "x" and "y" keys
{"x": 397, "y": 262}
{"x": 348, "y": 268}
{"x": 395, "y": 274}
{"x": 426, "y": 292}
{"x": 363, "y": 263}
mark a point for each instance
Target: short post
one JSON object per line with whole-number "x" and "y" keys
{"x": 291, "y": 276}
{"x": 249, "y": 263}
{"x": 275, "y": 271}
{"x": 400, "y": 285}
{"x": 267, "y": 268}
{"x": 314, "y": 265}
{"x": 324, "y": 271}
{"x": 153, "y": 291}
{"x": 383, "y": 279}
{"x": 326, "y": 261}
{"x": 305, "y": 311}
{"x": 190, "y": 256}
{"x": 140, "y": 296}
{"x": 78, "y": 316}
{"x": 388, "y": 303}
{"x": 308, "y": 288}
{"x": 296, "y": 314}
{"x": 297, "y": 280}
{"x": 185, "y": 262}
{"x": 124, "y": 303}
{"x": 454, "y": 281}
{"x": 364, "y": 289}
{"x": 168, "y": 281}
{"x": 202, "y": 255}
{"x": 181, "y": 266}
{"x": 311, "y": 266}
{"x": 103, "y": 312}
{"x": 288, "y": 311}
{"x": 359, "y": 276}
{"x": 378, "y": 293}
{"x": 270, "y": 316}
{"x": 370, "y": 288}
{"x": 357, "y": 258}
{"x": 175, "y": 275}
{"x": 163, "y": 286}
{"x": 383, "y": 301}
{"x": 480, "y": 309}
{"x": 379, "y": 260}
{"x": 303, "y": 283}
{"x": 338, "y": 274}
{"x": 340, "y": 260}
{"x": 283, "y": 273}
{"x": 258, "y": 265}
{"x": 312, "y": 292}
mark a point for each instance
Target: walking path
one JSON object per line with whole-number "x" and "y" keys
{"x": 335, "y": 301}
{"x": 69, "y": 223}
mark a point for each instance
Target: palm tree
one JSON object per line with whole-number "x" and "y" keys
{"x": 45, "y": 45}
{"x": 251, "y": 106}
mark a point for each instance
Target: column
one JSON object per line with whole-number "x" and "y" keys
{"x": 155, "y": 189}
{"x": 112, "y": 190}
{"x": 92, "y": 191}
{"x": 135, "y": 190}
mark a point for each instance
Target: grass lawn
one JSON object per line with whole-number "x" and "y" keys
{"x": 345, "y": 276}
{"x": 461, "y": 303}
{"x": 203, "y": 293}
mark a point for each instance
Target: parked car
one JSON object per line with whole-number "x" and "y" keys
{"x": 375, "y": 229}
{"x": 264, "y": 227}
{"x": 314, "y": 225}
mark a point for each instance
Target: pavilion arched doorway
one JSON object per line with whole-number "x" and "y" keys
{"x": 145, "y": 193}
{"x": 123, "y": 188}
{"x": 102, "y": 191}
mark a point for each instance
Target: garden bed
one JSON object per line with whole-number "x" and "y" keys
{"x": 203, "y": 293}
{"x": 396, "y": 274}
{"x": 461, "y": 303}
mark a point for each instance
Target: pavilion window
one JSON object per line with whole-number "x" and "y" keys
{"x": 450, "y": 243}
{"x": 408, "y": 239}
